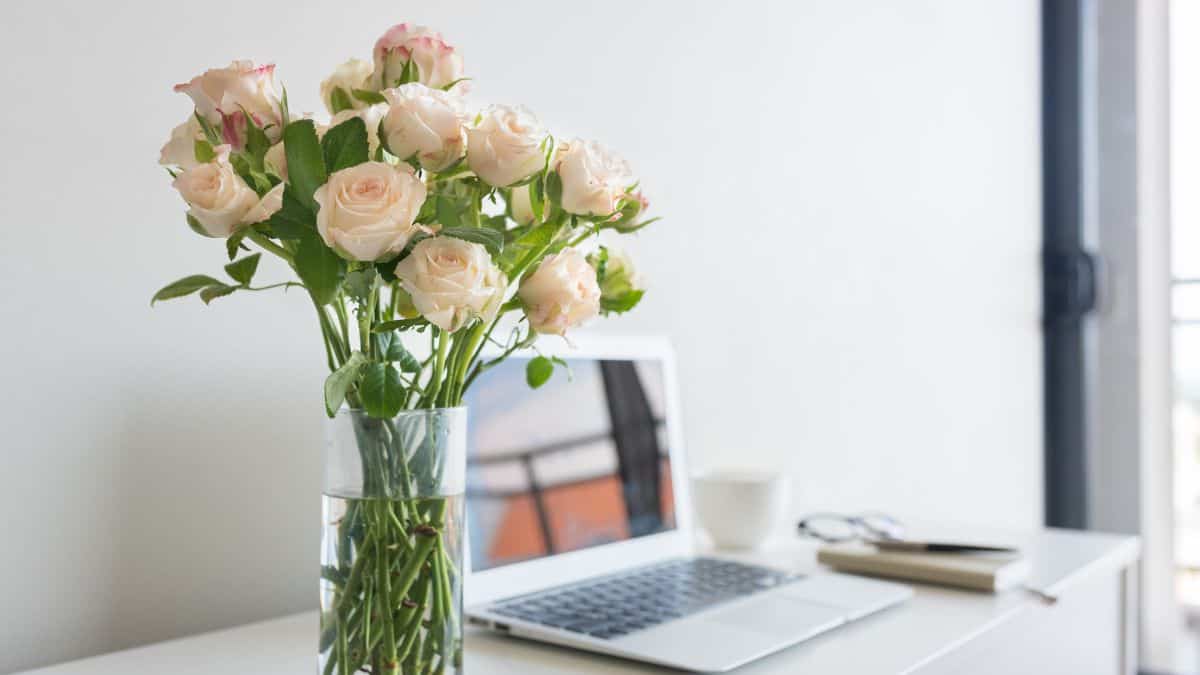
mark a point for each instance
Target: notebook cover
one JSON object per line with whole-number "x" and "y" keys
{"x": 977, "y": 571}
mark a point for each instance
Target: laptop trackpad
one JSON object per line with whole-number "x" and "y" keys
{"x": 720, "y": 639}
{"x": 779, "y": 616}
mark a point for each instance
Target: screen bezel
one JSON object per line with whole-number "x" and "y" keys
{"x": 528, "y": 576}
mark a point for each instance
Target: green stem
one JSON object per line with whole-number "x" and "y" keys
{"x": 391, "y": 664}
{"x": 282, "y": 284}
{"x": 271, "y": 246}
{"x": 473, "y": 343}
{"x": 332, "y": 341}
{"x": 339, "y": 310}
{"x": 431, "y": 392}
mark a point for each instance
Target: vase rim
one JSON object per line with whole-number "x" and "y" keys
{"x": 409, "y": 411}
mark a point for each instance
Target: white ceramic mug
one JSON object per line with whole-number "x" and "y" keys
{"x": 739, "y": 507}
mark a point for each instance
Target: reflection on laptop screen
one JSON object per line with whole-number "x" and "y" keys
{"x": 576, "y": 463}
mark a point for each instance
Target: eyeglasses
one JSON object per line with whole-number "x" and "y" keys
{"x": 833, "y": 528}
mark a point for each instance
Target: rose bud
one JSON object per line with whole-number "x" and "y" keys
{"x": 594, "y": 180}
{"x": 620, "y": 284}
{"x": 520, "y": 205}
{"x": 561, "y": 294}
{"x": 437, "y": 62}
{"x": 224, "y": 96}
{"x": 180, "y": 148}
{"x": 351, "y": 75}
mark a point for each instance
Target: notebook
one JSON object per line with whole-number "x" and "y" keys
{"x": 978, "y": 571}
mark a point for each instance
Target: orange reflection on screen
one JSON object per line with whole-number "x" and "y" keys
{"x": 580, "y": 515}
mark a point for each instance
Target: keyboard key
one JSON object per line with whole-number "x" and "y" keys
{"x": 641, "y": 598}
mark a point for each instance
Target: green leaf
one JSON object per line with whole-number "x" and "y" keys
{"x": 339, "y": 100}
{"x": 340, "y": 381}
{"x": 537, "y": 198}
{"x": 210, "y": 132}
{"x": 399, "y": 324}
{"x": 564, "y": 365}
{"x": 333, "y": 574}
{"x": 450, "y": 86}
{"x": 319, "y": 268}
{"x": 627, "y": 229}
{"x": 521, "y": 253}
{"x": 622, "y": 303}
{"x": 599, "y": 260}
{"x": 491, "y": 239}
{"x": 184, "y": 286}
{"x": 538, "y": 371}
{"x": 449, "y": 211}
{"x": 293, "y": 220}
{"x": 197, "y": 227}
{"x": 204, "y": 151}
{"x": 390, "y": 347}
{"x": 285, "y": 114}
{"x": 381, "y": 390}
{"x": 554, "y": 188}
{"x": 243, "y": 270}
{"x": 387, "y": 270}
{"x": 345, "y": 145}
{"x": 369, "y": 97}
{"x": 234, "y": 243}
{"x": 306, "y": 166}
{"x": 359, "y": 283}
{"x": 257, "y": 143}
{"x": 255, "y": 178}
{"x": 409, "y": 73}
{"x": 211, "y": 293}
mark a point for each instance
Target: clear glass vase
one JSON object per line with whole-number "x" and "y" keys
{"x": 392, "y": 543}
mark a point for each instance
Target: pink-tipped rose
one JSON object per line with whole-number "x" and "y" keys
{"x": 224, "y": 96}
{"x": 438, "y": 63}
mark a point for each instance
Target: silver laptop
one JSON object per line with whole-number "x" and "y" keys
{"x": 579, "y": 524}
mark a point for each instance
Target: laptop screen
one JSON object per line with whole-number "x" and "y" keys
{"x": 579, "y": 462}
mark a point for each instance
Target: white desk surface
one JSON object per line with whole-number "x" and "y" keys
{"x": 897, "y": 640}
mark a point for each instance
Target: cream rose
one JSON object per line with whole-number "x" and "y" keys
{"x": 428, "y": 123}
{"x": 266, "y": 207}
{"x": 593, "y": 179}
{"x": 520, "y": 206}
{"x": 222, "y": 94}
{"x": 452, "y": 282}
{"x": 438, "y": 63}
{"x": 351, "y": 75}
{"x": 180, "y": 148}
{"x": 561, "y": 294}
{"x": 366, "y": 212}
{"x": 506, "y": 146}
{"x": 371, "y": 117}
{"x": 217, "y": 197}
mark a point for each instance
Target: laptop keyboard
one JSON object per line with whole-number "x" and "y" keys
{"x": 620, "y": 604}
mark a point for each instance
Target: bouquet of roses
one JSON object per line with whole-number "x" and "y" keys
{"x": 408, "y": 216}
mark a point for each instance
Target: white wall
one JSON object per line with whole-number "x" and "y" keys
{"x": 848, "y": 266}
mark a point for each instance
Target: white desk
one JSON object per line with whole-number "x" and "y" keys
{"x": 1091, "y": 629}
